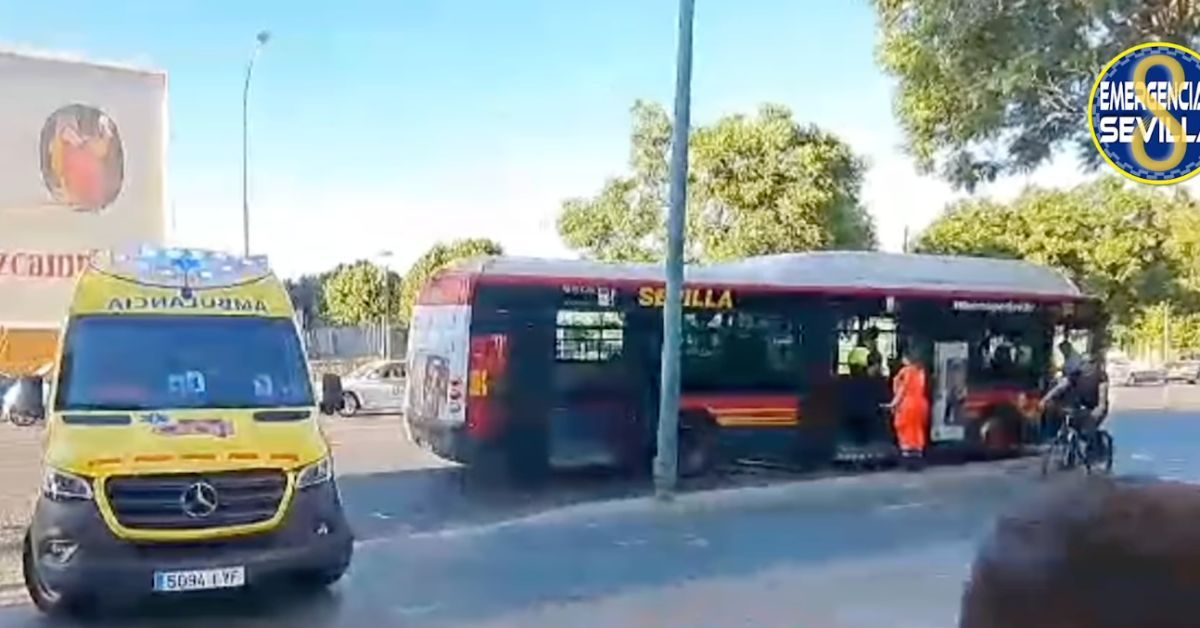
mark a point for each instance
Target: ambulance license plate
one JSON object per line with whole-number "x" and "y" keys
{"x": 200, "y": 579}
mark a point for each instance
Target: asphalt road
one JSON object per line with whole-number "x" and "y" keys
{"x": 885, "y": 549}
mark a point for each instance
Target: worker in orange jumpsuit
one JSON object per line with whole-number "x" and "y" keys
{"x": 910, "y": 409}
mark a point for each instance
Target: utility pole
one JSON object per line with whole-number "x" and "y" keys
{"x": 1166, "y": 335}
{"x": 666, "y": 463}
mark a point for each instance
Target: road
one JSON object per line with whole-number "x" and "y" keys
{"x": 885, "y": 549}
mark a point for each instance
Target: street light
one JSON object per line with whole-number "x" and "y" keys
{"x": 387, "y": 303}
{"x": 259, "y": 41}
{"x": 666, "y": 469}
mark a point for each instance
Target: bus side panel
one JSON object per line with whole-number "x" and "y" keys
{"x": 435, "y": 400}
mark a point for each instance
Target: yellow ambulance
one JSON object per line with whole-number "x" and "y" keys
{"x": 182, "y": 450}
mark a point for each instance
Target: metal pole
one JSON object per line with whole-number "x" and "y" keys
{"x": 387, "y": 314}
{"x": 666, "y": 462}
{"x": 387, "y": 304}
{"x": 261, "y": 40}
{"x": 1166, "y": 335}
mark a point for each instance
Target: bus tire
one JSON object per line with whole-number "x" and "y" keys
{"x": 697, "y": 445}
{"x": 998, "y": 433}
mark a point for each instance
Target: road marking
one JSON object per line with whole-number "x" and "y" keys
{"x": 888, "y": 508}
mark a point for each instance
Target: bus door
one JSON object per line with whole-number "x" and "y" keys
{"x": 593, "y": 417}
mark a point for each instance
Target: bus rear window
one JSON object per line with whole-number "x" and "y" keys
{"x": 160, "y": 362}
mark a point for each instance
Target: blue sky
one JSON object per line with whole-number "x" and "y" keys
{"x": 380, "y": 125}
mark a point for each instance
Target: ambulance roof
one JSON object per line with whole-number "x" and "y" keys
{"x": 171, "y": 267}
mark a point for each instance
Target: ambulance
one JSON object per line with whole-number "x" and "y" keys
{"x": 182, "y": 450}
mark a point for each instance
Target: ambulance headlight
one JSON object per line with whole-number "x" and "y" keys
{"x": 316, "y": 473}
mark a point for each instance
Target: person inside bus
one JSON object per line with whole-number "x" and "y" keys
{"x": 860, "y": 392}
{"x": 910, "y": 409}
{"x": 1003, "y": 361}
{"x": 865, "y": 358}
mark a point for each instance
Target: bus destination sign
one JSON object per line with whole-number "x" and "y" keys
{"x": 695, "y": 298}
{"x": 1012, "y": 307}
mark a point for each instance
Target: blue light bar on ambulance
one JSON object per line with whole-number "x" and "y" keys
{"x": 171, "y": 267}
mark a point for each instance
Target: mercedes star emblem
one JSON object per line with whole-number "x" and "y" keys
{"x": 199, "y": 500}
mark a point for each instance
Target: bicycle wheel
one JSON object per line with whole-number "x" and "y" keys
{"x": 1057, "y": 455}
{"x": 1107, "y": 451}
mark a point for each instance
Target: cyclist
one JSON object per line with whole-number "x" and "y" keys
{"x": 1082, "y": 395}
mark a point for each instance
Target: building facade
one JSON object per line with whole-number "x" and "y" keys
{"x": 83, "y": 150}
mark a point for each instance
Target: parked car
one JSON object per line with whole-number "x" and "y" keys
{"x": 374, "y": 386}
{"x": 1184, "y": 371}
{"x": 1123, "y": 372}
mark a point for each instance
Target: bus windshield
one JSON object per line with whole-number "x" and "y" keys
{"x": 161, "y": 362}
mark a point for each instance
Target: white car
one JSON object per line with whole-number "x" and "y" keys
{"x": 373, "y": 387}
{"x": 1123, "y": 372}
{"x": 11, "y": 389}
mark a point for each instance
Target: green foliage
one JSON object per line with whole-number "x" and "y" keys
{"x": 758, "y": 184}
{"x": 1134, "y": 247}
{"x": 993, "y": 87}
{"x": 436, "y": 257}
{"x": 355, "y": 293}
{"x": 1146, "y": 332}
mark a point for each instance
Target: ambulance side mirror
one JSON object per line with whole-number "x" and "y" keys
{"x": 331, "y": 393}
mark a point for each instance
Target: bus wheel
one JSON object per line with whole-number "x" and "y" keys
{"x": 697, "y": 445}
{"x": 998, "y": 434}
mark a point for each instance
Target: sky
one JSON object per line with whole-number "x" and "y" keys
{"x": 390, "y": 125}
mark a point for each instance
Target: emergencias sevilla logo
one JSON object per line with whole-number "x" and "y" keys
{"x": 83, "y": 162}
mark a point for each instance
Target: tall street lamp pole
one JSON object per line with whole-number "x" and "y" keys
{"x": 260, "y": 40}
{"x": 387, "y": 303}
{"x": 666, "y": 461}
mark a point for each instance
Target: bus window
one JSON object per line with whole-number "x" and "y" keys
{"x": 1081, "y": 339}
{"x": 739, "y": 350}
{"x": 588, "y": 336}
{"x": 884, "y": 330}
{"x": 1003, "y": 357}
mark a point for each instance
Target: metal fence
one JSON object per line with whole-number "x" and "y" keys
{"x": 345, "y": 343}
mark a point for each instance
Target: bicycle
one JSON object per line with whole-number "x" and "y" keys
{"x": 1069, "y": 449}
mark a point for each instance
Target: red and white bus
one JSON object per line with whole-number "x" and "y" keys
{"x": 544, "y": 364}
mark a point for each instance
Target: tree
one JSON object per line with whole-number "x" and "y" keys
{"x": 758, "y": 184}
{"x": 355, "y": 294}
{"x": 994, "y": 87}
{"x": 438, "y": 256}
{"x": 1111, "y": 238}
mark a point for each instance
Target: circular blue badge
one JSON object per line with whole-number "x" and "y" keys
{"x": 1144, "y": 113}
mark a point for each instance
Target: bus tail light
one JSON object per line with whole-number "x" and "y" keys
{"x": 489, "y": 360}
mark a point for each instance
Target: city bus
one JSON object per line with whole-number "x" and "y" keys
{"x": 547, "y": 364}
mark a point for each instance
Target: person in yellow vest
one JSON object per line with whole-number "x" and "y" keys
{"x": 857, "y": 360}
{"x": 864, "y": 357}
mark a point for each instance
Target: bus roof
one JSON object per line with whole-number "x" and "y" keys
{"x": 867, "y": 272}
